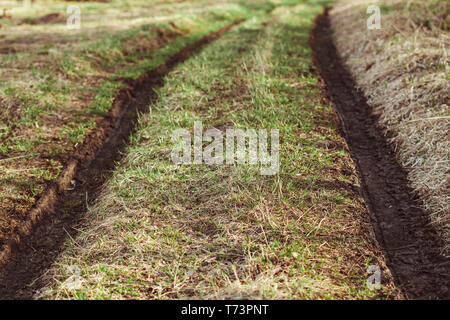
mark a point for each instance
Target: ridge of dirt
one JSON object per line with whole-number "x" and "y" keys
{"x": 411, "y": 245}
{"x": 55, "y": 17}
{"x": 56, "y": 215}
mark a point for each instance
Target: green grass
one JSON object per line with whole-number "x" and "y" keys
{"x": 162, "y": 231}
{"x": 59, "y": 82}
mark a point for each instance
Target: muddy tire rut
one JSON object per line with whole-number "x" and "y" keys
{"x": 58, "y": 214}
{"x": 402, "y": 228}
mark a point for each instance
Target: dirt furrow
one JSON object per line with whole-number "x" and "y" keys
{"x": 59, "y": 212}
{"x": 411, "y": 246}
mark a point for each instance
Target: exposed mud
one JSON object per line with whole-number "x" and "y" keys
{"x": 411, "y": 246}
{"x": 59, "y": 212}
{"x": 51, "y": 18}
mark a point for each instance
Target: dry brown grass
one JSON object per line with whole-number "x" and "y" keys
{"x": 403, "y": 69}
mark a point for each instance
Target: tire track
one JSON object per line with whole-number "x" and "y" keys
{"x": 411, "y": 246}
{"x": 56, "y": 215}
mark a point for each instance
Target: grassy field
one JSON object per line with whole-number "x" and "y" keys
{"x": 57, "y": 82}
{"x": 166, "y": 231}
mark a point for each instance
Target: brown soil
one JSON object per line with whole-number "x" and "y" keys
{"x": 58, "y": 214}
{"x": 50, "y": 18}
{"x": 7, "y": 50}
{"x": 411, "y": 246}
